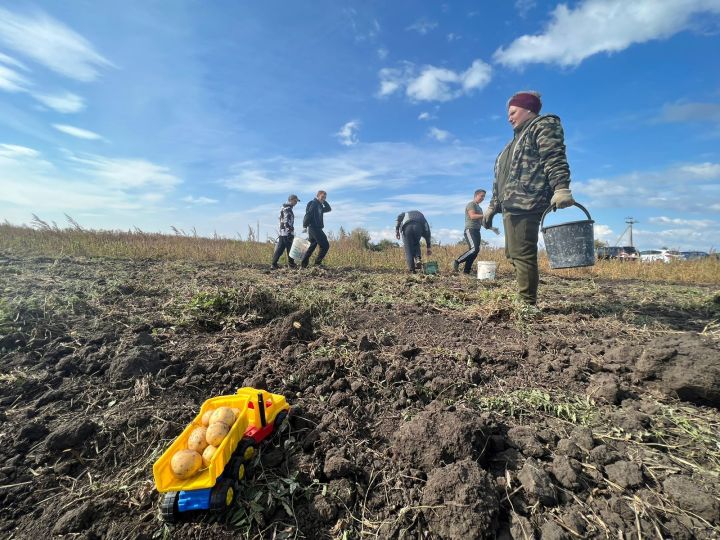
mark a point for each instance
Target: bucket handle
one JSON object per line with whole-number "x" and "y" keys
{"x": 553, "y": 208}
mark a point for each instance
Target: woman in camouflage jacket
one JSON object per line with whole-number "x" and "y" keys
{"x": 531, "y": 173}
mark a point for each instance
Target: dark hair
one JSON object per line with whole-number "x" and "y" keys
{"x": 480, "y": 191}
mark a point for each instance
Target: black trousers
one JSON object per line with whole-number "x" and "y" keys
{"x": 284, "y": 244}
{"x": 317, "y": 238}
{"x": 412, "y": 232}
{"x": 472, "y": 237}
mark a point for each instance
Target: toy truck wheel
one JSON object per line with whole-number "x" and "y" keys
{"x": 169, "y": 507}
{"x": 236, "y": 468}
{"x": 246, "y": 449}
{"x": 281, "y": 423}
{"x": 222, "y": 495}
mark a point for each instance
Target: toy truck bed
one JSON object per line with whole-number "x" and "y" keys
{"x": 166, "y": 481}
{"x": 260, "y": 412}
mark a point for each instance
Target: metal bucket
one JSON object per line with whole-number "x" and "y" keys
{"x": 571, "y": 244}
{"x": 298, "y": 248}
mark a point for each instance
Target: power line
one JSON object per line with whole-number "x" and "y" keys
{"x": 630, "y": 222}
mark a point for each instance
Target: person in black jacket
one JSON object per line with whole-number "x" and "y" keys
{"x": 314, "y": 223}
{"x": 286, "y": 233}
{"x": 413, "y": 226}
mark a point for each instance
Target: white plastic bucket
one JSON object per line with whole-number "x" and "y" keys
{"x": 486, "y": 269}
{"x": 298, "y": 248}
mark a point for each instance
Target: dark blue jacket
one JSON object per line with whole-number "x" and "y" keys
{"x": 314, "y": 214}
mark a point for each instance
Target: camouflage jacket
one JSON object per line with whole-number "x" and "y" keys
{"x": 537, "y": 167}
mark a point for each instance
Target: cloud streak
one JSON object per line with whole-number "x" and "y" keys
{"x": 690, "y": 112}
{"x": 39, "y": 37}
{"x": 80, "y": 133}
{"x": 360, "y": 167}
{"x": 63, "y": 103}
{"x": 690, "y": 187}
{"x": 31, "y": 183}
{"x": 602, "y": 26}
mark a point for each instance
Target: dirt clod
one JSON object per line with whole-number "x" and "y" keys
{"x": 624, "y": 473}
{"x": 536, "y": 483}
{"x": 686, "y": 494}
{"x": 437, "y": 436}
{"x": 460, "y": 502}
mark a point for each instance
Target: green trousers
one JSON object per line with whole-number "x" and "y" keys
{"x": 521, "y": 247}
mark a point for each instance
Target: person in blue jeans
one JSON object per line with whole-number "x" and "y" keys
{"x": 314, "y": 223}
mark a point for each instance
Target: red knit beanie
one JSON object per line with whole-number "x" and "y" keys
{"x": 526, "y": 100}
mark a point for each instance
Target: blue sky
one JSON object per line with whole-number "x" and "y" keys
{"x": 206, "y": 115}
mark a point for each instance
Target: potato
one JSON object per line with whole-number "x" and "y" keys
{"x": 206, "y": 417}
{"x": 185, "y": 463}
{"x": 208, "y": 454}
{"x": 224, "y": 415}
{"x": 197, "y": 441}
{"x": 216, "y": 433}
{"x": 236, "y": 412}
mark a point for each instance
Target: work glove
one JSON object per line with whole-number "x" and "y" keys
{"x": 487, "y": 220}
{"x": 562, "y": 198}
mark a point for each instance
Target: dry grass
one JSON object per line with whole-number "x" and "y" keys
{"x": 75, "y": 241}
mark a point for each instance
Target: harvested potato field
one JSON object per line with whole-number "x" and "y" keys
{"x": 422, "y": 406}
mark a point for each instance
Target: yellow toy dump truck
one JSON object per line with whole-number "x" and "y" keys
{"x": 259, "y": 414}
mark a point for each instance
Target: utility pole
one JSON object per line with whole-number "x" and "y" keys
{"x": 630, "y": 222}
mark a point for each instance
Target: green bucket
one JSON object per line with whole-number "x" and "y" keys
{"x": 430, "y": 267}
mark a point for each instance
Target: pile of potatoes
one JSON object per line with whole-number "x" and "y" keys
{"x": 203, "y": 442}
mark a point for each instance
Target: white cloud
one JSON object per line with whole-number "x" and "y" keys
{"x": 432, "y": 83}
{"x": 362, "y": 166}
{"x": 199, "y": 200}
{"x": 30, "y": 183}
{"x": 690, "y": 112}
{"x": 348, "y": 134}
{"x": 596, "y": 26}
{"x": 382, "y": 53}
{"x": 523, "y": 7}
{"x": 433, "y": 204}
{"x": 51, "y": 43}
{"x": 701, "y": 171}
{"x": 15, "y": 151}
{"x": 62, "y": 103}
{"x": 439, "y": 134}
{"x": 78, "y": 132}
{"x": 453, "y": 37}
{"x": 11, "y": 80}
{"x": 425, "y": 116}
{"x": 691, "y": 187}
{"x": 603, "y": 232}
{"x": 699, "y": 223}
{"x": 10, "y": 61}
{"x": 363, "y": 27}
{"x": 422, "y": 26}
{"x": 125, "y": 173}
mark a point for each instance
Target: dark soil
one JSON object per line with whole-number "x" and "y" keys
{"x": 423, "y": 407}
